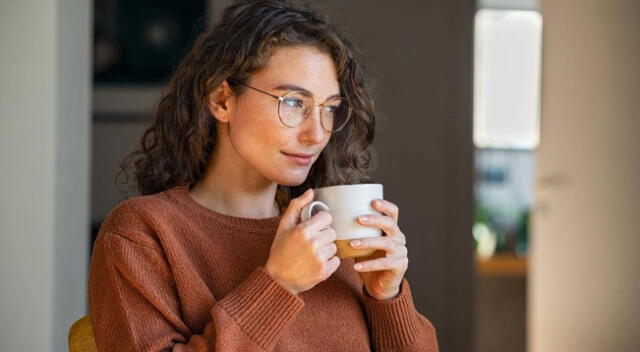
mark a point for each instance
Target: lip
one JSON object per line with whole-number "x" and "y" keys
{"x": 301, "y": 159}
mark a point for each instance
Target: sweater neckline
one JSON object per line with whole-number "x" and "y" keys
{"x": 180, "y": 193}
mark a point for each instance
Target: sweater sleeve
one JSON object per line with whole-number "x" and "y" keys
{"x": 396, "y": 325}
{"x": 134, "y": 305}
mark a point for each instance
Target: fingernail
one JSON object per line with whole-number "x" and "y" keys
{"x": 358, "y": 266}
{"x": 377, "y": 202}
{"x": 363, "y": 218}
{"x": 356, "y": 243}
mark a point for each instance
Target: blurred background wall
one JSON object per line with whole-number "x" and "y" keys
{"x": 45, "y": 85}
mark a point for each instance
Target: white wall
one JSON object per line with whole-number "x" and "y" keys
{"x": 44, "y": 168}
{"x": 585, "y": 254}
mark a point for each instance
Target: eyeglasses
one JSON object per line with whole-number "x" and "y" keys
{"x": 295, "y": 106}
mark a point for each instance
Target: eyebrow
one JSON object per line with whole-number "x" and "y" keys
{"x": 288, "y": 86}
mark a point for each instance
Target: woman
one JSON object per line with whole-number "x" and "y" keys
{"x": 213, "y": 256}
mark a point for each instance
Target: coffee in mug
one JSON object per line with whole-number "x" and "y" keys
{"x": 346, "y": 203}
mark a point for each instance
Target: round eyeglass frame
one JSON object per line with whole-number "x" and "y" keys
{"x": 283, "y": 96}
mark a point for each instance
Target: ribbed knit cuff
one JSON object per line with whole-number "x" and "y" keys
{"x": 262, "y": 307}
{"x": 394, "y": 323}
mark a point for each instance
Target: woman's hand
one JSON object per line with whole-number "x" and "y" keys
{"x": 303, "y": 252}
{"x": 383, "y": 271}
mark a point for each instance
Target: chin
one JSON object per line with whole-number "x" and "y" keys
{"x": 290, "y": 181}
{"x": 286, "y": 174}
{"x": 290, "y": 178}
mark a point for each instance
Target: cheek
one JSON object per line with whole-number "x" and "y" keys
{"x": 257, "y": 138}
{"x": 254, "y": 136}
{"x": 260, "y": 146}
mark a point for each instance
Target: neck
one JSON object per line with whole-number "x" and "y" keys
{"x": 229, "y": 186}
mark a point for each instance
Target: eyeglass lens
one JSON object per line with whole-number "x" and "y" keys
{"x": 295, "y": 107}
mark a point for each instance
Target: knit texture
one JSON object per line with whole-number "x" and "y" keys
{"x": 168, "y": 274}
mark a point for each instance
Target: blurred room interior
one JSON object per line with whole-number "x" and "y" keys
{"x": 508, "y": 132}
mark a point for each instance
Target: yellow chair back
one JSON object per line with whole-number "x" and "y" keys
{"x": 81, "y": 337}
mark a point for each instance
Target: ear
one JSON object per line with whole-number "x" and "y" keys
{"x": 220, "y": 102}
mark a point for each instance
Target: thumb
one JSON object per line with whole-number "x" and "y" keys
{"x": 291, "y": 216}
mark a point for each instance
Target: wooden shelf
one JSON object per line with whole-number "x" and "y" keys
{"x": 502, "y": 265}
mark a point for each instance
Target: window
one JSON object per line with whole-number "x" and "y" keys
{"x": 507, "y": 79}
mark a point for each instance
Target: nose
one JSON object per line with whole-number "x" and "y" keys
{"x": 311, "y": 131}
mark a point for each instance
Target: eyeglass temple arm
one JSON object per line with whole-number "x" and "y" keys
{"x": 254, "y": 88}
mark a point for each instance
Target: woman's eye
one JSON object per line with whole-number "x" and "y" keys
{"x": 293, "y": 103}
{"x": 331, "y": 109}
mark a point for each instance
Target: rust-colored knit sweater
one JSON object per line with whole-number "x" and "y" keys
{"x": 169, "y": 274}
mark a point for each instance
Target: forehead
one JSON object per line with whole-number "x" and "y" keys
{"x": 303, "y": 66}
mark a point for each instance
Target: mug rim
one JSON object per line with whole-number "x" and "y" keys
{"x": 358, "y": 185}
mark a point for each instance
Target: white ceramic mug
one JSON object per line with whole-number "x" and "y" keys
{"x": 345, "y": 203}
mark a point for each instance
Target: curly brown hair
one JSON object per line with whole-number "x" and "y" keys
{"x": 176, "y": 147}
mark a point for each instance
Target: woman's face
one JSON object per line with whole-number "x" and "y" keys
{"x": 258, "y": 137}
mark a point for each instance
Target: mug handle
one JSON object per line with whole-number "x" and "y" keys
{"x": 308, "y": 209}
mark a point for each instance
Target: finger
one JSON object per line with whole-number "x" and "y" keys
{"x": 291, "y": 215}
{"x": 386, "y": 207}
{"x": 320, "y": 221}
{"x": 386, "y": 224}
{"x": 327, "y": 235}
{"x": 396, "y": 264}
{"x": 391, "y": 247}
{"x": 333, "y": 264}
{"x": 327, "y": 251}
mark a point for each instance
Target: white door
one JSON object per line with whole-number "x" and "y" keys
{"x": 584, "y": 288}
